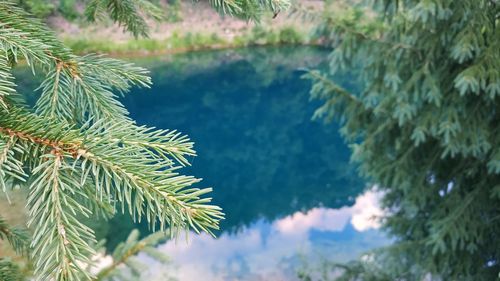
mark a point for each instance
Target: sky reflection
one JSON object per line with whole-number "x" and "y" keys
{"x": 273, "y": 250}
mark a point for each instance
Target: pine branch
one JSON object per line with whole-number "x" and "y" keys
{"x": 28, "y": 37}
{"x": 74, "y": 92}
{"x": 126, "y": 251}
{"x": 165, "y": 144}
{"x": 17, "y": 238}
{"x": 9, "y": 271}
{"x": 118, "y": 74}
{"x": 10, "y": 166}
{"x": 80, "y": 153}
{"x": 69, "y": 78}
{"x": 250, "y": 9}
{"x": 57, "y": 99}
{"x": 61, "y": 243}
{"x": 160, "y": 195}
{"x": 18, "y": 42}
{"x": 7, "y": 85}
{"x": 133, "y": 169}
{"x": 126, "y": 12}
{"x": 132, "y": 13}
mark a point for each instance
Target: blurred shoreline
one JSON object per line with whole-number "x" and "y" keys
{"x": 194, "y": 26}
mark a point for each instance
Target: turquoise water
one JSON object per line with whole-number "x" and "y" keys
{"x": 284, "y": 181}
{"x": 290, "y": 195}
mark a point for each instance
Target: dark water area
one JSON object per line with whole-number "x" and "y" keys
{"x": 283, "y": 180}
{"x": 253, "y": 133}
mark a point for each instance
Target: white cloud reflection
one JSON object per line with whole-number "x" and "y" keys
{"x": 270, "y": 251}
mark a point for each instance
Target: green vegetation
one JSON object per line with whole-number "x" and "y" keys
{"x": 124, "y": 257}
{"x": 184, "y": 42}
{"x": 77, "y": 151}
{"x": 264, "y": 36}
{"x": 179, "y": 41}
{"x": 174, "y": 11}
{"x": 68, "y": 8}
{"x": 39, "y": 8}
{"x": 190, "y": 41}
{"x": 425, "y": 128}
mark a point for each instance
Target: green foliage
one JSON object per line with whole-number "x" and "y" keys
{"x": 42, "y": 8}
{"x": 261, "y": 35}
{"x": 68, "y": 9}
{"x": 16, "y": 237}
{"x": 126, "y": 12}
{"x": 125, "y": 265}
{"x": 190, "y": 41}
{"x": 289, "y": 35}
{"x": 9, "y": 271}
{"x": 177, "y": 42}
{"x": 425, "y": 128}
{"x": 173, "y": 11}
{"x": 39, "y": 8}
{"x": 194, "y": 40}
{"x": 250, "y": 9}
{"x": 78, "y": 152}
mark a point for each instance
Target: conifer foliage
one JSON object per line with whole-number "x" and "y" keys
{"x": 125, "y": 265}
{"x": 425, "y": 127}
{"x": 78, "y": 152}
{"x": 18, "y": 238}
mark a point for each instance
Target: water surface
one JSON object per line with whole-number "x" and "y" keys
{"x": 284, "y": 181}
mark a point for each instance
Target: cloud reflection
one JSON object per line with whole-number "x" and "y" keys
{"x": 271, "y": 251}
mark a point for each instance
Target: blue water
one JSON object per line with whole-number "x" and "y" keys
{"x": 284, "y": 181}
{"x": 290, "y": 195}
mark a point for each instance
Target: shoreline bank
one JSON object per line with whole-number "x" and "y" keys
{"x": 182, "y": 43}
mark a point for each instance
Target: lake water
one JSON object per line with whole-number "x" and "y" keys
{"x": 284, "y": 181}
{"x": 290, "y": 195}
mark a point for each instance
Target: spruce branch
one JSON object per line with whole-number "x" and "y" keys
{"x": 61, "y": 243}
{"x": 128, "y": 13}
{"x": 10, "y": 166}
{"x": 7, "y": 85}
{"x": 125, "y": 252}
{"x": 80, "y": 153}
{"x": 118, "y": 74}
{"x": 134, "y": 168}
{"x": 17, "y": 237}
{"x": 9, "y": 270}
{"x": 250, "y": 9}
{"x": 27, "y": 37}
